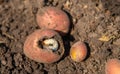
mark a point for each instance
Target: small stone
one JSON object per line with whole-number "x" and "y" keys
{"x": 1, "y": 1}
{"x": 117, "y": 42}
{"x": 3, "y": 62}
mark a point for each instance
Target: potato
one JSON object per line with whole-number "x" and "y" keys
{"x": 112, "y": 66}
{"x": 78, "y": 51}
{"x": 42, "y": 46}
{"x": 53, "y": 18}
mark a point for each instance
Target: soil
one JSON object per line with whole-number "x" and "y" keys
{"x": 96, "y": 22}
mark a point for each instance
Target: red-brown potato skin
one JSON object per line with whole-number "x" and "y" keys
{"x": 53, "y": 18}
{"x": 78, "y": 51}
{"x": 32, "y": 51}
{"x": 112, "y": 66}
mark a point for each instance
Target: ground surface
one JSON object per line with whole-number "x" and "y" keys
{"x": 96, "y": 22}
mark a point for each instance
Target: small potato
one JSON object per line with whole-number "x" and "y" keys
{"x": 112, "y": 66}
{"x": 78, "y": 51}
{"x": 53, "y": 18}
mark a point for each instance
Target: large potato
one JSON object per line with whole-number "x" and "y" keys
{"x": 38, "y": 46}
{"x": 53, "y": 18}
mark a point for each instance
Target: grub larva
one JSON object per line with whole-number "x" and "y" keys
{"x": 51, "y": 44}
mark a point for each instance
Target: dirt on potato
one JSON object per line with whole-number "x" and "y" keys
{"x": 96, "y": 22}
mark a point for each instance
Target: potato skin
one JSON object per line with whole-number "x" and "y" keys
{"x": 53, "y": 18}
{"x": 112, "y": 66}
{"x": 34, "y": 52}
{"x": 78, "y": 51}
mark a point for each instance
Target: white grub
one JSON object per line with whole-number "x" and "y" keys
{"x": 51, "y": 44}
